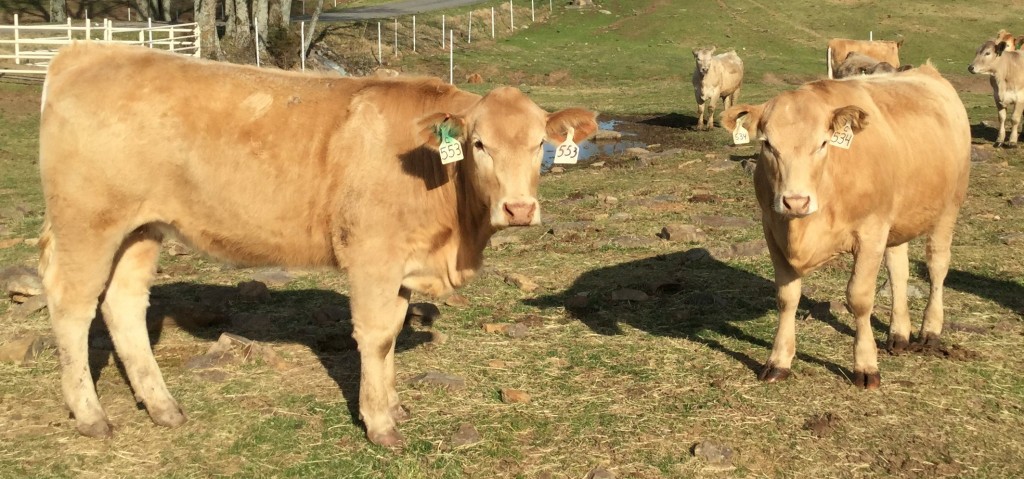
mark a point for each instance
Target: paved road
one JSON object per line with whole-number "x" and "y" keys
{"x": 389, "y": 10}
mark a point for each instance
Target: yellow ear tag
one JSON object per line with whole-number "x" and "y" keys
{"x": 450, "y": 149}
{"x": 739, "y": 134}
{"x": 567, "y": 153}
{"x": 842, "y": 138}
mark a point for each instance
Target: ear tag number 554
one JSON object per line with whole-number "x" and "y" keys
{"x": 567, "y": 153}
{"x": 450, "y": 149}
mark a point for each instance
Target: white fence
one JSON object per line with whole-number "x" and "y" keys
{"x": 35, "y": 45}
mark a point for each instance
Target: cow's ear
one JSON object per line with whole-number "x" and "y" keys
{"x": 433, "y": 128}
{"x": 583, "y": 122}
{"x": 1000, "y": 48}
{"x": 751, "y": 115}
{"x": 696, "y": 52}
{"x": 857, "y": 118}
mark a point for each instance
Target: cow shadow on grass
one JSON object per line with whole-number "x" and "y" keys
{"x": 692, "y": 296}
{"x": 317, "y": 318}
{"x": 1006, "y": 292}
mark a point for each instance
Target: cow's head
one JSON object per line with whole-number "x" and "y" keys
{"x": 703, "y": 58}
{"x": 986, "y": 58}
{"x": 795, "y": 129}
{"x": 502, "y": 138}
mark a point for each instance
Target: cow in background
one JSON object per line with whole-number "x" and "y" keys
{"x": 860, "y": 64}
{"x": 399, "y": 181}
{"x": 714, "y": 77}
{"x": 881, "y": 50}
{"x": 1006, "y": 71}
{"x": 861, "y": 165}
{"x": 1006, "y": 37}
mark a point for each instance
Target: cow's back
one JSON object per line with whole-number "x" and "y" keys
{"x": 248, "y": 164}
{"x": 915, "y": 148}
{"x": 881, "y": 50}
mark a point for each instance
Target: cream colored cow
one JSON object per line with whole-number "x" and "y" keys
{"x": 715, "y": 77}
{"x": 264, "y": 167}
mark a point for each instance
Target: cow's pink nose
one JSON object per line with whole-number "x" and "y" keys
{"x": 520, "y": 213}
{"x": 797, "y": 204}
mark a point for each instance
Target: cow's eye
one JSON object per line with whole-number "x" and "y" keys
{"x": 478, "y": 144}
{"x": 822, "y": 147}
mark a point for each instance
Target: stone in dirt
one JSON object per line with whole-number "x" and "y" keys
{"x": 556, "y": 169}
{"x": 272, "y": 276}
{"x": 823, "y": 310}
{"x": 704, "y": 198}
{"x": 28, "y": 306}
{"x": 608, "y": 199}
{"x": 756, "y": 247}
{"x": 607, "y": 135}
{"x": 981, "y": 152}
{"x": 21, "y": 280}
{"x": 953, "y": 352}
{"x": 517, "y": 331}
{"x": 254, "y": 290}
{"x": 176, "y": 248}
{"x": 185, "y": 316}
{"x": 634, "y": 241}
{"x": 715, "y": 454}
{"x": 682, "y": 232}
{"x": 465, "y": 436}
{"x": 503, "y": 238}
{"x": 514, "y": 396}
{"x": 456, "y": 300}
{"x": 620, "y": 217}
{"x": 328, "y": 317}
{"x": 597, "y": 164}
{"x": 635, "y": 152}
{"x": 521, "y": 282}
{"x": 11, "y": 242}
{"x": 491, "y": 328}
{"x": 725, "y": 222}
{"x": 437, "y": 378}
{"x": 438, "y": 338}
{"x": 627, "y": 294}
{"x": 25, "y": 350}
{"x": 1012, "y": 239}
{"x": 1016, "y": 201}
{"x": 821, "y": 425}
{"x": 723, "y": 165}
{"x": 599, "y": 473}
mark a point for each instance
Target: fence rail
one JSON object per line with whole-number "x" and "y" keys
{"x": 35, "y": 45}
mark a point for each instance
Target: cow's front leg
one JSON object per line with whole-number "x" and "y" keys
{"x": 700, "y": 114}
{"x": 379, "y": 304}
{"x": 788, "y": 282}
{"x": 860, "y": 295}
{"x": 898, "y": 265}
{"x": 711, "y": 112}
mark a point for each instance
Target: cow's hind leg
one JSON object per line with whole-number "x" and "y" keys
{"x": 379, "y": 305}
{"x": 787, "y": 280}
{"x": 937, "y": 254}
{"x": 860, "y": 295}
{"x": 1018, "y": 109}
{"x": 124, "y": 310}
{"x": 74, "y": 271}
{"x": 1001, "y": 112}
{"x": 898, "y": 265}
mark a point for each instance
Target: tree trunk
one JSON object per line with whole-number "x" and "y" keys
{"x": 239, "y": 31}
{"x": 260, "y": 11}
{"x": 279, "y": 13}
{"x": 58, "y": 11}
{"x": 206, "y": 17}
{"x": 312, "y": 26}
{"x": 145, "y": 9}
{"x": 165, "y": 10}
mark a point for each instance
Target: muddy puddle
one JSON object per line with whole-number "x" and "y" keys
{"x": 592, "y": 150}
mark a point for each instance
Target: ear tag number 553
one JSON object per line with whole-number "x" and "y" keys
{"x": 450, "y": 149}
{"x": 567, "y": 153}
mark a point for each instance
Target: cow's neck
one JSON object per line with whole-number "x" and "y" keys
{"x": 473, "y": 220}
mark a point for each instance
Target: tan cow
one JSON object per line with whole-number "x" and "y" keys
{"x": 1006, "y": 71}
{"x": 904, "y": 176}
{"x": 265, "y": 167}
{"x": 881, "y": 50}
{"x": 1006, "y": 37}
{"x": 714, "y": 77}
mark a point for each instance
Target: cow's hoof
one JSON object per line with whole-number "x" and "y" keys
{"x": 929, "y": 341}
{"x": 1010, "y": 146}
{"x": 997, "y": 144}
{"x": 168, "y": 417}
{"x": 770, "y": 374}
{"x": 897, "y": 344}
{"x": 390, "y": 438}
{"x": 400, "y": 413}
{"x": 100, "y": 429}
{"x": 865, "y": 380}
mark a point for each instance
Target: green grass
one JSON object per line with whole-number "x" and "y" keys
{"x": 628, "y": 387}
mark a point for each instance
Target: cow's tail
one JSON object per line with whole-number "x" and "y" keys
{"x": 828, "y": 61}
{"x": 45, "y": 247}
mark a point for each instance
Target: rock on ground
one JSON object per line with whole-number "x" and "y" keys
{"x": 465, "y": 436}
{"x": 437, "y": 378}
{"x": 514, "y": 396}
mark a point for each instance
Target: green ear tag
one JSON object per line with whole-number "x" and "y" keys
{"x": 450, "y": 150}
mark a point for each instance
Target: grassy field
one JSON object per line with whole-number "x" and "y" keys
{"x": 628, "y": 387}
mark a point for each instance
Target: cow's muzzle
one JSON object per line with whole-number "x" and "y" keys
{"x": 796, "y": 205}
{"x": 520, "y": 213}
{"x": 970, "y": 68}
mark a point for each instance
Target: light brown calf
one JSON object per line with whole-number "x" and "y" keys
{"x": 904, "y": 176}
{"x": 714, "y": 77}
{"x": 881, "y": 50}
{"x": 1006, "y": 75}
{"x": 1006, "y": 37}
{"x": 264, "y": 167}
